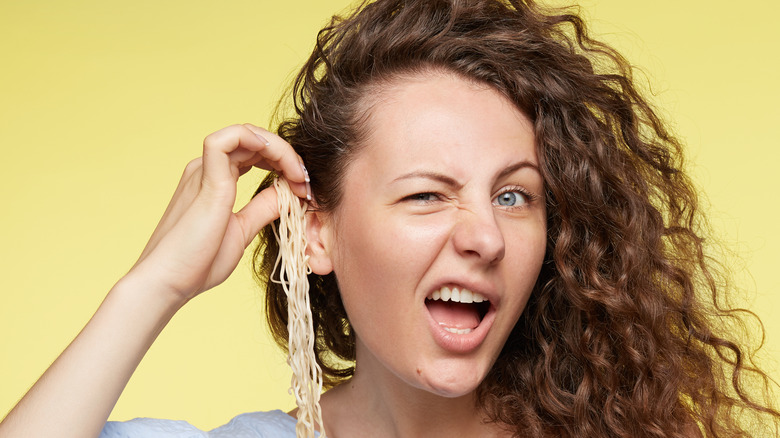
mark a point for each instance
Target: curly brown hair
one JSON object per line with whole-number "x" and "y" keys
{"x": 624, "y": 334}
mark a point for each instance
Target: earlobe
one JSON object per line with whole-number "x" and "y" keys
{"x": 318, "y": 243}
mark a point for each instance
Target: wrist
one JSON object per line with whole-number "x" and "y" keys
{"x": 149, "y": 294}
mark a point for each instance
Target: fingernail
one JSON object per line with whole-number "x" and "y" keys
{"x": 263, "y": 139}
{"x": 305, "y": 173}
{"x": 306, "y": 179}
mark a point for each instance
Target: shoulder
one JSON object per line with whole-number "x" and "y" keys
{"x": 257, "y": 424}
{"x": 254, "y": 424}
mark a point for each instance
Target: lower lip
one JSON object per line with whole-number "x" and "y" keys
{"x": 465, "y": 343}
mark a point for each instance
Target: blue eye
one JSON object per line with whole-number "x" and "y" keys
{"x": 511, "y": 199}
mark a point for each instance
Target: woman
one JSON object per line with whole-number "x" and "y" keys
{"x": 470, "y": 146}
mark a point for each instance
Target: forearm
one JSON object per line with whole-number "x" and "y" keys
{"x": 197, "y": 244}
{"x": 76, "y": 394}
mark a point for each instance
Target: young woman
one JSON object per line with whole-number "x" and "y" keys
{"x": 501, "y": 240}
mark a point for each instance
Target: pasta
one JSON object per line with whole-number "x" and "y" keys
{"x": 306, "y": 382}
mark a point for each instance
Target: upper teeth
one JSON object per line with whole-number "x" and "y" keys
{"x": 457, "y": 295}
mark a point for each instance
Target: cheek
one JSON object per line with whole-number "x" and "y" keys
{"x": 531, "y": 249}
{"x": 525, "y": 255}
{"x": 371, "y": 246}
{"x": 379, "y": 264}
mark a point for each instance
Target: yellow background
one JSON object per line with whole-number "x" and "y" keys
{"x": 102, "y": 104}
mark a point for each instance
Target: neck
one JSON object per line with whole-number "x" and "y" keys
{"x": 375, "y": 402}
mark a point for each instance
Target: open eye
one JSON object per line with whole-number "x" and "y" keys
{"x": 511, "y": 198}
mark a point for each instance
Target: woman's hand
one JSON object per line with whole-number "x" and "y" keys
{"x": 199, "y": 240}
{"x": 196, "y": 246}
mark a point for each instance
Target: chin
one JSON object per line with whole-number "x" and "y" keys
{"x": 453, "y": 391}
{"x": 452, "y": 383}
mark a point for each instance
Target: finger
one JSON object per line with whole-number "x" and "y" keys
{"x": 218, "y": 167}
{"x": 281, "y": 164}
{"x": 257, "y": 213}
{"x": 280, "y": 155}
{"x": 229, "y": 149}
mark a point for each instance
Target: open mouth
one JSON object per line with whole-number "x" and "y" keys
{"x": 457, "y": 310}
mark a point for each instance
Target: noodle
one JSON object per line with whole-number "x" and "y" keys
{"x": 306, "y": 382}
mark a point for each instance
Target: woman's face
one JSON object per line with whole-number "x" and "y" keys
{"x": 444, "y": 195}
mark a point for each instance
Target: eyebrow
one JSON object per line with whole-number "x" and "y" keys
{"x": 448, "y": 180}
{"x": 517, "y": 166}
{"x": 427, "y": 174}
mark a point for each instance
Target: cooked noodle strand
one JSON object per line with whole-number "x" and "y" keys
{"x": 307, "y": 375}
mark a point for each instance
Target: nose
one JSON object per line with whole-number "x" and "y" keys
{"x": 477, "y": 234}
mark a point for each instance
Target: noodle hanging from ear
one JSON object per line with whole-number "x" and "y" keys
{"x": 306, "y": 382}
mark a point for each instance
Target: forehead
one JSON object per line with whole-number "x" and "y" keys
{"x": 439, "y": 118}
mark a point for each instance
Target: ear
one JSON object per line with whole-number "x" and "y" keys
{"x": 318, "y": 236}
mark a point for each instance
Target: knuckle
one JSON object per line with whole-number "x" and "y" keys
{"x": 213, "y": 140}
{"x": 193, "y": 166}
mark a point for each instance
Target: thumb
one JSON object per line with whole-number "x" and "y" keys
{"x": 257, "y": 213}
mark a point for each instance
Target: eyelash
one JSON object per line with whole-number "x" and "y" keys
{"x": 416, "y": 197}
{"x": 528, "y": 196}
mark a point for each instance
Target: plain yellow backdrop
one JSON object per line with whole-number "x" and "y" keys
{"x": 103, "y": 103}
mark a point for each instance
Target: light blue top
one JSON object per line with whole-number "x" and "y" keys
{"x": 272, "y": 424}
